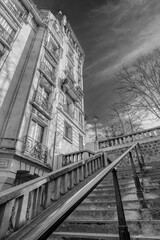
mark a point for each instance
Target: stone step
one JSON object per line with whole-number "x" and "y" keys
{"x": 125, "y": 197}
{"x": 112, "y": 205}
{"x": 130, "y": 182}
{"x": 132, "y": 213}
{"x": 148, "y": 187}
{"x": 96, "y": 236}
{"x": 108, "y": 197}
{"x": 105, "y": 191}
{"x": 109, "y": 214}
{"x": 141, "y": 227}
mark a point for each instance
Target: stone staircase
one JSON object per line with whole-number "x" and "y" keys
{"x": 96, "y": 216}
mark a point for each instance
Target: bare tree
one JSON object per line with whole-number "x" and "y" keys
{"x": 125, "y": 119}
{"x": 140, "y": 83}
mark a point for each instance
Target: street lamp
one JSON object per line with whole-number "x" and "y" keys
{"x": 95, "y": 119}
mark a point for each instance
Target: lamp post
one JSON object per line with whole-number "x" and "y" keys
{"x": 94, "y": 120}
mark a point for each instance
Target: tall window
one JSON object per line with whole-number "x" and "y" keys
{"x": 80, "y": 142}
{"x": 70, "y": 69}
{"x": 68, "y": 105}
{"x": 44, "y": 93}
{"x": 36, "y": 131}
{"x": 80, "y": 118}
{"x": 76, "y": 113}
{"x": 49, "y": 66}
{"x": 6, "y": 26}
{"x": 79, "y": 68}
{"x": 61, "y": 99}
{"x": 53, "y": 47}
{"x": 68, "y": 131}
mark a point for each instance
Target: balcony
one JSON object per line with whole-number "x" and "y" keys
{"x": 5, "y": 35}
{"x": 35, "y": 149}
{"x": 68, "y": 110}
{"x": 42, "y": 104}
{"x": 68, "y": 86}
{"x": 69, "y": 74}
{"x": 15, "y": 10}
{"x": 53, "y": 52}
{"x": 50, "y": 75}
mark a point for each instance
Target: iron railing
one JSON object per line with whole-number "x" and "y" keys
{"x": 43, "y": 103}
{"x": 35, "y": 149}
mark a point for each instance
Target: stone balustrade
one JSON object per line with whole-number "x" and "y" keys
{"x": 129, "y": 138}
{"x": 76, "y": 156}
{"x": 21, "y": 204}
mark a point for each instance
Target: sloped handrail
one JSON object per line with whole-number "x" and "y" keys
{"x": 38, "y": 207}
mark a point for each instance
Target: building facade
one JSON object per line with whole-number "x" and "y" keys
{"x": 41, "y": 91}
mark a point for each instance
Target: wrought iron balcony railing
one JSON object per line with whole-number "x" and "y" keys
{"x": 69, "y": 111}
{"x": 43, "y": 103}
{"x": 50, "y": 74}
{"x": 69, "y": 86}
{"x": 5, "y": 35}
{"x": 53, "y": 52}
{"x": 35, "y": 149}
{"x": 14, "y": 8}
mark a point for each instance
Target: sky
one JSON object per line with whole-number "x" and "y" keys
{"x": 112, "y": 33}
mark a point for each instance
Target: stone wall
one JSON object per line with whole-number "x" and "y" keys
{"x": 150, "y": 150}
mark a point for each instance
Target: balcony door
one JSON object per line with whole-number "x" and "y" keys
{"x": 44, "y": 93}
{"x": 36, "y": 131}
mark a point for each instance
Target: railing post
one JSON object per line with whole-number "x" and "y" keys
{"x": 123, "y": 229}
{"x": 140, "y": 151}
{"x": 105, "y": 159}
{"x": 139, "y": 161}
{"x": 136, "y": 179}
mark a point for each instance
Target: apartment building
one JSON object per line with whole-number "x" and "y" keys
{"x": 41, "y": 91}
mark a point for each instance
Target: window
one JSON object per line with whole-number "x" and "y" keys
{"x": 71, "y": 56}
{"x": 44, "y": 93}
{"x": 80, "y": 142}
{"x": 79, "y": 69}
{"x": 2, "y": 49}
{"x": 70, "y": 70}
{"x": 49, "y": 66}
{"x": 76, "y": 113}
{"x": 61, "y": 99}
{"x": 80, "y": 118}
{"x": 36, "y": 131}
{"x": 53, "y": 48}
{"x": 69, "y": 104}
{"x": 68, "y": 131}
{"x": 6, "y": 31}
{"x": 80, "y": 82}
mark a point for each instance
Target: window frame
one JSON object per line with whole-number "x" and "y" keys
{"x": 69, "y": 131}
{"x": 37, "y": 124}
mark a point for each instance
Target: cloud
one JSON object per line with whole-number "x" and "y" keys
{"x": 116, "y": 34}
